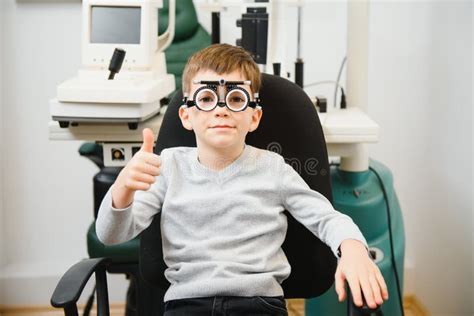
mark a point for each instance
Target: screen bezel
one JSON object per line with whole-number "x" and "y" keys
{"x": 138, "y": 56}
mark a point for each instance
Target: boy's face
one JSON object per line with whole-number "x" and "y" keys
{"x": 219, "y": 128}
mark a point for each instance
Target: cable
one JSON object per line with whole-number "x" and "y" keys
{"x": 391, "y": 239}
{"x": 389, "y": 219}
{"x": 338, "y": 78}
{"x": 343, "y": 95}
{"x": 323, "y": 82}
{"x": 334, "y": 82}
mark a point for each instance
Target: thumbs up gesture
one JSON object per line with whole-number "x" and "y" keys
{"x": 139, "y": 173}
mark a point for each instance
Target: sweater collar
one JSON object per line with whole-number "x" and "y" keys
{"x": 226, "y": 172}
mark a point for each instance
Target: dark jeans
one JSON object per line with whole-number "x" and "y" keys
{"x": 227, "y": 306}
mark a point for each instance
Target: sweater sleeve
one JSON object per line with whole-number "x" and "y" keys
{"x": 115, "y": 226}
{"x": 315, "y": 212}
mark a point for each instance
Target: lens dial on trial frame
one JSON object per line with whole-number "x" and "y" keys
{"x": 236, "y": 98}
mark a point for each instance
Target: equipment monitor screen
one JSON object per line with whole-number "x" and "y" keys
{"x": 115, "y": 25}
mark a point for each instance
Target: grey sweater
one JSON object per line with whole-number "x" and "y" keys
{"x": 223, "y": 230}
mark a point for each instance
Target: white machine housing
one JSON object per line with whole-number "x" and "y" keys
{"x": 134, "y": 94}
{"x": 136, "y": 34}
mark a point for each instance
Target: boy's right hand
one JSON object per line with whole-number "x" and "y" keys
{"x": 138, "y": 174}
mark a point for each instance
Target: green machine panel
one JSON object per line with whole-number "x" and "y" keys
{"x": 361, "y": 196}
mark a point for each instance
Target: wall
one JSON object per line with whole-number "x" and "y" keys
{"x": 420, "y": 92}
{"x": 2, "y": 229}
{"x": 47, "y": 192}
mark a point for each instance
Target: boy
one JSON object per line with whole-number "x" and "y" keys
{"x": 222, "y": 202}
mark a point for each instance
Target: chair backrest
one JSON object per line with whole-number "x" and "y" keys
{"x": 290, "y": 126}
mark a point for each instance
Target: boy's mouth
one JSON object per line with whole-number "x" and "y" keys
{"x": 222, "y": 126}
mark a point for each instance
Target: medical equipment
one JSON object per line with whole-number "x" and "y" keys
{"x": 236, "y": 98}
{"x": 254, "y": 24}
{"x": 369, "y": 198}
{"x": 299, "y": 64}
{"x": 116, "y": 62}
{"x": 134, "y": 95}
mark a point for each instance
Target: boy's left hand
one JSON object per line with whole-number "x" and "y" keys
{"x": 360, "y": 271}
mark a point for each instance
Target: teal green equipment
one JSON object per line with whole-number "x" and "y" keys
{"x": 361, "y": 196}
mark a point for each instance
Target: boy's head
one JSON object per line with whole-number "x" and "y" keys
{"x": 221, "y": 126}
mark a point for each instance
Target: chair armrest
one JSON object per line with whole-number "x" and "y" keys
{"x": 72, "y": 283}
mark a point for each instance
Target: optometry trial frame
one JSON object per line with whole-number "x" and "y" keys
{"x": 237, "y": 99}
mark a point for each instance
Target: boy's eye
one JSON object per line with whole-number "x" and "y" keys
{"x": 206, "y": 99}
{"x": 205, "y": 96}
{"x": 236, "y": 98}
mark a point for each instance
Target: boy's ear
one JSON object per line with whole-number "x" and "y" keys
{"x": 256, "y": 117}
{"x": 184, "y": 116}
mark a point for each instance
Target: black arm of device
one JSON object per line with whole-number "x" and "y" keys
{"x": 72, "y": 283}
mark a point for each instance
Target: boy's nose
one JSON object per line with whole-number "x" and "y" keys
{"x": 221, "y": 111}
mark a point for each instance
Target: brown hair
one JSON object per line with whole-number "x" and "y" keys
{"x": 222, "y": 58}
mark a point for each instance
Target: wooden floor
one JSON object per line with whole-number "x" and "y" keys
{"x": 413, "y": 307}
